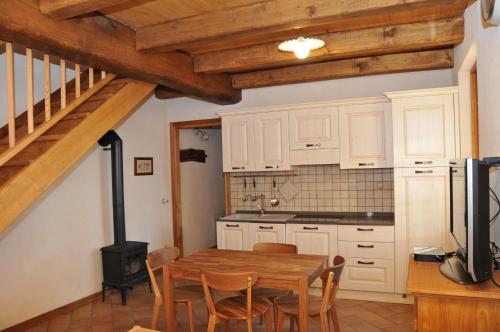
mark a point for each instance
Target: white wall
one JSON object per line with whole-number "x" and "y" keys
{"x": 50, "y": 256}
{"x": 485, "y": 43}
{"x": 202, "y": 190}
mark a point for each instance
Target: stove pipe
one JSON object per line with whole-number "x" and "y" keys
{"x": 112, "y": 138}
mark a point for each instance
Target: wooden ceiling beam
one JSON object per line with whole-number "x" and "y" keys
{"x": 63, "y": 9}
{"x": 274, "y": 20}
{"x": 375, "y": 65}
{"x": 2, "y": 47}
{"x": 339, "y": 45}
{"x": 162, "y": 92}
{"x": 110, "y": 46}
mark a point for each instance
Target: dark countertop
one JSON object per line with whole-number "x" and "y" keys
{"x": 331, "y": 218}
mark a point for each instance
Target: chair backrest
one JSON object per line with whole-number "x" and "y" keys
{"x": 228, "y": 282}
{"x": 155, "y": 260}
{"x": 334, "y": 272}
{"x": 275, "y": 248}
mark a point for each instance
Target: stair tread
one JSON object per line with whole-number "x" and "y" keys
{"x": 18, "y": 163}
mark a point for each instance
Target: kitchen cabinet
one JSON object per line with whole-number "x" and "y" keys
{"x": 314, "y": 136}
{"x": 265, "y": 232}
{"x": 271, "y": 141}
{"x": 232, "y": 235}
{"x": 365, "y": 135}
{"x": 238, "y": 143}
{"x": 368, "y": 275}
{"x": 422, "y": 217}
{"x": 313, "y": 239}
{"x": 424, "y": 126}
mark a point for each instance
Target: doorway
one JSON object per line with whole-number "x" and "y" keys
{"x": 198, "y": 183}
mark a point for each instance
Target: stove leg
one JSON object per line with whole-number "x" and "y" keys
{"x": 124, "y": 295}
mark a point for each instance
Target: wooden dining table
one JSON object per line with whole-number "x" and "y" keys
{"x": 293, "y": 272}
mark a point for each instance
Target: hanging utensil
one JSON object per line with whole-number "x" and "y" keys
{"x": 275, "y": 200}
{"x": 254, "y": 197}
{"x": 245, "y": 197}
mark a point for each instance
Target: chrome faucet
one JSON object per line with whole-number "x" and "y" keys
{"x": 260, "y": 205}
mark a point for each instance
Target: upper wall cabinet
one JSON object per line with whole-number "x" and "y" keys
{"x": 424, "y": 124}
{"x": 271, "y": 141}
{"x": 366, "y": 135}
{"x": 238, "y": 143}
{"x": 314, "y": 136}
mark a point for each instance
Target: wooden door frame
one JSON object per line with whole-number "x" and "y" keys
{"x": 175, "y": 173}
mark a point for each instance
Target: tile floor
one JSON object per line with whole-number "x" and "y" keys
{"x": 354, "y": 316}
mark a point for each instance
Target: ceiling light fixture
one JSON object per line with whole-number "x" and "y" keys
{"x": 301, "y": 46}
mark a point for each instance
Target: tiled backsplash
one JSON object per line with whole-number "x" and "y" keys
{"x": 320, "y": 188}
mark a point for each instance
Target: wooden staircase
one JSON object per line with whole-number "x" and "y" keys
{"x": 40, "y": 157}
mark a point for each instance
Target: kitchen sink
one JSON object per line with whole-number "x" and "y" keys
{"x": 273, "y": 217}
{"x": 239, "y": 217}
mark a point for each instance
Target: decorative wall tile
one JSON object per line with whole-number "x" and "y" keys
{"x": 321, "y": 188}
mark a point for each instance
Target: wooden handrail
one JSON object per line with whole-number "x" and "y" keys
{"x": 44, "y": 127}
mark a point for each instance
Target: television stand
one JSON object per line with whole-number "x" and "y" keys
{"x": 454, "y": 269}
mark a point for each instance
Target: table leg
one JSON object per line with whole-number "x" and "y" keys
{"x": 170, "y": 322}
{"x": 303, "y": 309}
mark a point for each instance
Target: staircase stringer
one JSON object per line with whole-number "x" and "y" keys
{"x": 28, "y": 185}
{"x": 43, "y": 128}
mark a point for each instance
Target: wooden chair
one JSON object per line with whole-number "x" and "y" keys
{"x": 318, "y": 306}
{"x": 183, "y": 294}
{"x": 273, "y": 294}
{"x": 239, "y": 308}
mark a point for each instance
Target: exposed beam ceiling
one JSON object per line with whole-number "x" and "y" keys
{"x": 107, "y": 45}
{"x": 384, "y": 64}
{"x": 340, "y": 45}
{"x": 162, "y": 92}
{"x": 2, "y": 47}
{"x": 274, "y": 20}
{"x": 63, "y": 9}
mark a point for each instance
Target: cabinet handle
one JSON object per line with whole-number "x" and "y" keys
{"x": 228, "y": 225}
{"x": 310, "y": 228}
{"x": 366, "y": 164}
{"x": 365, "y": 263}
{"x": 264, "y": 227}
{"x": 366, "y": 246}
{"x": 238, "y": 167}
{"x": 318, "y": 145}
{"x": 453, "y": 162}
{"x": 427, "y": 162}
{"x": 365, "y": 229}
{"x": 270, "y": 167}
{"x": 424, "y": 172}
{"x": 454, "y": 170}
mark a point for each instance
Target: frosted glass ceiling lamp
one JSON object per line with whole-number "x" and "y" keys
{"x": 301, "y": 46}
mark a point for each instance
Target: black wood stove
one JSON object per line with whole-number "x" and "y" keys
{"x": 123, "y": 263}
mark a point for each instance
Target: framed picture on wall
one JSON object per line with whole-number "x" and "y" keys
{"x": 143, "y": 166}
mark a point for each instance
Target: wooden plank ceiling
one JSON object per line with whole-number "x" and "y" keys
{"x": 211, "y": 49}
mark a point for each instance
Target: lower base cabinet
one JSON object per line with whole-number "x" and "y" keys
{"x": 371, "y": 274}
{"x": 232, "y": 235}
{"x": 265, "y": 232}
{"x": 313, "y": 239}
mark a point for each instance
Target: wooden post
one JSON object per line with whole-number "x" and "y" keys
{"x": 29, "y": 89}
{"x": 91, "y": 77}
{"x": 46, "y": 69}
{"x": 78, "y": 89}
{"x": 11, "y": 95}
{"x": 63, "y": 83}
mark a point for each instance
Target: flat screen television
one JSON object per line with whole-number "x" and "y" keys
{"x": 469, "y": 222}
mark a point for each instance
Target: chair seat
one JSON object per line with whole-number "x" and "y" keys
{"x": 290, "y": 305}
{"x": 188, "y": 293}
{"x": 268, "y": 292}
{"x": 235, "y": 307}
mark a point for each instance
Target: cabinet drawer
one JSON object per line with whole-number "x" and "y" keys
{"x": 366, "y": 249}
{"x": 368, "y": 275}
{"x": 366, "y": 233}
{"x": 265, "y": 232}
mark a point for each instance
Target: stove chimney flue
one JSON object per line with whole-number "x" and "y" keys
{"x": 112, "y": 138}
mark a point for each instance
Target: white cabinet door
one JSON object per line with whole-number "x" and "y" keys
{"x": 271, "y": 141}
{"x": 365, "y": 135}
{"x": 314, "y": 128}
{"x": 368, "y": 275}
{"x": 313, "y": 239}
{"x": 422, "y": 217}
{"x": 232, "y": 235}
{"x": 265, "y": 232}
{"x": 238, "y": 143}
{"x": 423, "y": 130}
